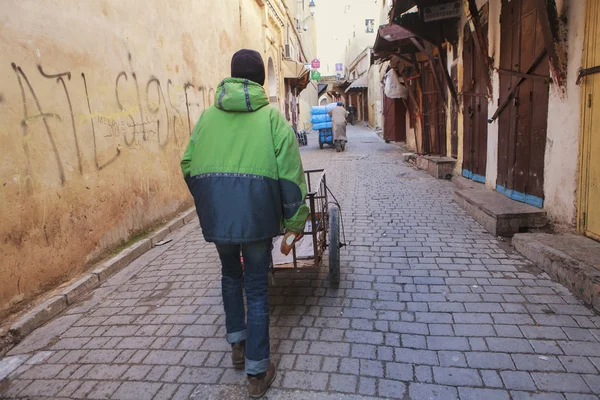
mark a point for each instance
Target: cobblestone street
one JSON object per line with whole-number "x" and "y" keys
{"x": 430, "y": 306}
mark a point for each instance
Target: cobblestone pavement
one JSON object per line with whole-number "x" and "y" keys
{"x": 430, "y": 307}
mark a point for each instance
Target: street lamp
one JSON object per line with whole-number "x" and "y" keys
{"x": 312, "y": 7}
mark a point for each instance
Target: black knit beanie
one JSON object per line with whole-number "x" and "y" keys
{"x": 248, "y": 64}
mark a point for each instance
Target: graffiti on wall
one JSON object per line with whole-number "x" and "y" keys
{"x": 151, "y": 112}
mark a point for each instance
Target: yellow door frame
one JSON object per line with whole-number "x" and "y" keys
{"x": 592, "y": 26}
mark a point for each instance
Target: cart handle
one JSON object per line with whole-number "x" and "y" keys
{"x": 316, "y": 185}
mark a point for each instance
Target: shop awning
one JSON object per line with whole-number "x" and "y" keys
{"x": 360, "y": 83}
{"x": 296, "y": 74}
{"x": 394, "y": 39}
{"x": 293, "y": 69}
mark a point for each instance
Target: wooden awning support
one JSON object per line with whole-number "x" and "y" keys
{"x": 419, "y": 114}
{"x": 429, "y": 54}
{"x": 427, "y": 50}
{"x": 449, "y": 81}
{"x": 550, "y": 41}
{"x": 520, "y": 79}
{"x": 472, "y": 14}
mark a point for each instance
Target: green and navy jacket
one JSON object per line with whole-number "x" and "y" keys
{"x": 243, "y": 168}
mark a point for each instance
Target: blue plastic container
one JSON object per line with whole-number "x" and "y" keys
{"x": 325, "y": 137}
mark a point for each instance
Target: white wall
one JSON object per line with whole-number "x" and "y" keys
{"x": 564, "y": 121}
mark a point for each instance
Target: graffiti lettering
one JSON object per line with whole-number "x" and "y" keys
{"x": 186, "y": 86}
{"x": 59, "y": 79}
{"x": 95, "y": 146}
{"x": 175, "y": 117}
{"x": 161, "y": 99}
{"x": 21, "y": 77}
{"x": 136, "y": 123}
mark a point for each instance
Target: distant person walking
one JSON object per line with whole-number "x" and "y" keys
{"x": 339, "y": 117}
{"x": 243, "y": 168}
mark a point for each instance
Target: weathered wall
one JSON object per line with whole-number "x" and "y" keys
{"x": 494, "y": 52}
{"x": 359, "y": 38}
{"x": 561, "y": 158}
{"x": 97, "y": 100}
{"x": 564, "y": 123}
{"x": 305, "y": 43}
{"x": 374, "y": 95}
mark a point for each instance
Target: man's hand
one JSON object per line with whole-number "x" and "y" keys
{"x": 289, "y": 239}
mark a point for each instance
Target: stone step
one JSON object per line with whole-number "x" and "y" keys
{"x": 436, "y": 166}
{"x": 463, "y": 183}
{"x": 498, "y": 214}
{"x": 571, "y": 259}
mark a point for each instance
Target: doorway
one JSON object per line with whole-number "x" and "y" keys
{"x": 475, "y": 109}
{"x": 394, "y": 125}
{"x": 523, "y": 116}
{"x": 589, "y": 184}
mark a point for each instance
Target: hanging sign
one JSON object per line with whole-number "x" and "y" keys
{"x": 339, "y": 67}
{"x": 315, "y": 75}
{"x": 442, "y": 11}
{"x": 315, "y": 64}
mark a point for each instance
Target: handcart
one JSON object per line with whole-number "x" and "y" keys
{"x": 302, "y": 138}
{"x": 325, "y": 137}
{"x": 322, "y": 231}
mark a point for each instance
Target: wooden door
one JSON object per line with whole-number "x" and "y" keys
{"x": 475, "y": 109}
{"x": 524, "y": 81}
{"x": 394, "y": 125}
{"x": 434, "y": 114}
{"x": 589, "y": 185}
{"x": 454, "y": 116}
{"x": 365, "y": 98}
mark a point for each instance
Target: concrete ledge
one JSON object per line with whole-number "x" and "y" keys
{"x": 463, "y": 183}
{"x": 438, "y": 167}
{"x": 190, "y": 216}
{"x": 175, "y": 224}
{"x": 159, "y": 235}
{"x": 38, "y": 316}
{"x": 572, "y": 260}
{"x": 118, "y": 262}
{"x": 498, "y": 214}
{"x": 79, "y": 288}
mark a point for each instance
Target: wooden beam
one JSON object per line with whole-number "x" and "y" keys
{"x": 416, "y": 107}
{"x": 427, "y": 50}
{"x": 522, "y": 75}
{"x": 560, "y": 72}
{"x": 408, "y": 60}
{"x": 449, "y": 82}
{"x": 516, "y": 84}
{"x": 472, "y": 14}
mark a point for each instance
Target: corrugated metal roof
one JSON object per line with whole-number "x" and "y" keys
{"x": 360, "y": 83}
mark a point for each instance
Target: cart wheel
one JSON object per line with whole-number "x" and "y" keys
{"x": 321, "y": 145}
{"x": 334, "y": 246}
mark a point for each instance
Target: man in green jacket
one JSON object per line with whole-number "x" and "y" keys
{"x": 243, "y": 168}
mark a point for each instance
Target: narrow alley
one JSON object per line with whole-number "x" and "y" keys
{"x": 430, "y": 306}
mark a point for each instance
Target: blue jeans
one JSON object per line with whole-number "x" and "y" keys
{"x": 254, "y": 279}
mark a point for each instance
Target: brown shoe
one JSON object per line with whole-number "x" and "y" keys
{"x": 258, "y": 387}
{"x": 238, "y": 354}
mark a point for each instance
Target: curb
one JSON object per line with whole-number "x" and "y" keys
{"x": 581, "y": 278}
{"x": 53, "y": 306}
